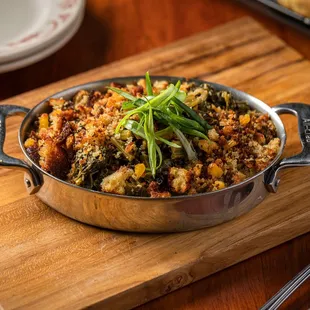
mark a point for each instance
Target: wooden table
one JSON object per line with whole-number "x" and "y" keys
{"x": 113, "y": 30}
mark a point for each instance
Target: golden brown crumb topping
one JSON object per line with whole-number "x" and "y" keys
{"x": 77, "y": 141}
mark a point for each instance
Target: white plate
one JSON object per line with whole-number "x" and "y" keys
{"x": 27, "y": 26}
{"x": 43, "y": 53}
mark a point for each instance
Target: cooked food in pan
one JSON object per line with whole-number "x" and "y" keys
{"x": 301, "y": 7}
{"x": 155, "y": 140}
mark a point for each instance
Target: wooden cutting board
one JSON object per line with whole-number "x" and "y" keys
{"x": 48, "y": 261}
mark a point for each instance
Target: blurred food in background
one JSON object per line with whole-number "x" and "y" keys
{"x": 301, "y": 7}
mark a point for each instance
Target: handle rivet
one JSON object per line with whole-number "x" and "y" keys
{"x": 28, "y": 183}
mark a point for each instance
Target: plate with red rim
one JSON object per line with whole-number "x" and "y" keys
{"x": 42, "y": 53}
{"x": 29, "y": 26}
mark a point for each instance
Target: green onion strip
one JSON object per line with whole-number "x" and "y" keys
{"x": 167, "y": 108}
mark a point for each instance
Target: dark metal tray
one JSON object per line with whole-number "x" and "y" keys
{"x": 281, "y": 13}
{"x": 276, "y": 6}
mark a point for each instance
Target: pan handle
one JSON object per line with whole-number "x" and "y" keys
{"x": 33, "y": 182}
{"x": 302, "y": 112}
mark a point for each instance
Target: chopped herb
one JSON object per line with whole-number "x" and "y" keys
{"x": 148, "y": 83}
{"x": 169, "y": 109}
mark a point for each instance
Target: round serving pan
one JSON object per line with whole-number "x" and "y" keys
{"x": 144, "y": 214}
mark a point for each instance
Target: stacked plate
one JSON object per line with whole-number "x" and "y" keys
{"x": 34, "y": 29}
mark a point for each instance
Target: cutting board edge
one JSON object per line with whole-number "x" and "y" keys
{"x": 171, "y": 279}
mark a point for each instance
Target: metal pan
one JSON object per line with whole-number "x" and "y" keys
{"x": 142, "y": 214}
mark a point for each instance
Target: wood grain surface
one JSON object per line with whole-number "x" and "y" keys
{"x": 49, "y": 261}
{"x": 112, "y": 30}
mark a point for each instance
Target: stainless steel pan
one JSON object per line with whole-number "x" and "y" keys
{"x": 173, "y": 214}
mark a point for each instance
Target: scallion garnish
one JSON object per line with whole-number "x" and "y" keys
{"x": 149, "y": 88}
{"x": 128, "y": 105}
{"x": 191, "y": 154}
{"x": 167, "y": 108}
{"x": 191, "y": 113}
{"x": 150, "y": 138}
{"x": 123, "y": 93}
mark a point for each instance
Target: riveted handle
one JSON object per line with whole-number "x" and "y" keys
{"x": 302, "y": 112}
{"x": 33, "y": 182}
